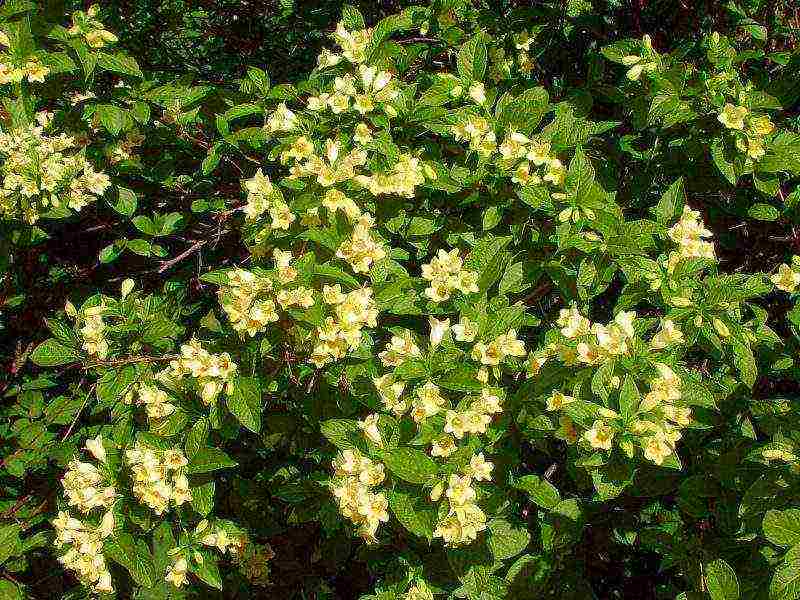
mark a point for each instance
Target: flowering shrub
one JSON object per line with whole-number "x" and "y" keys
{"x": 470, "y": 335}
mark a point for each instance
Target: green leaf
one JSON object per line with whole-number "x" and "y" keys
{"x": 783, "y": 154}
{"x": 126, "y": 202}
{"x": 724, "y": 164}
{"x": 10, "y": 591}
{"x": 110, "y": 253}
{"x": 196, "y": 438}
{"x": 763, "y": 212}
{"x": 10, "y": 544}
{"x": 580, "y": 175}
{"x": 114, "y": 384}
{"x": 525, "y": 112}
{"x": 628, "y": 398}
{"x": 670, "y": 205}
{"x": 119, "y": 63}
{"x": 139, "y": 246}
{"x": 113, "y": 118}
{"x": 617, "y": 51}
{"x": 411, "y": 465}
{"x": 721, "y": 581}
{"x": 203, "y": 498}
{"x": 745, "y": 362}
{"x": 785, "y": 584}
{"x": 52, "y": 353}
{"x": 260, "y": 79}
{"x": 417, "y": 515}
{"x": 341, "y": 432}
{"x": 472, "y": 59}
{"x": 209, "y": 459}
{"x": 245, "y": 402}
{"x": 352, "y": 19}
{"x": 207, "y": 571}
{"x": 212, "y": 159}
{"x": 782, "y": 527}
{"x": 145, "y": 225}
{"x": 132, "y": 555}
{"x": 461, "y": 379}
{"x": 506, "y": 540}
{"x": 541, "y": 491}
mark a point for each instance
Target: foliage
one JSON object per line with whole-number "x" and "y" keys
{"x": 461, "y": 311}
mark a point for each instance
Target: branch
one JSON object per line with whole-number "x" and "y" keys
{"x": 129, "y": 361}
{"x": 174, "y": 261}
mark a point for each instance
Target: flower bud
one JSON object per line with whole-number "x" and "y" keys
{"x": 127, "y": 287}
{"x": 107, "y": 524}
{"x": 201, "y": 527}
{"x": 436, "y": 492}
{"x": 95, "y": 447}
{"x": 721, "y": 328}
{"x": 680, "y": 301}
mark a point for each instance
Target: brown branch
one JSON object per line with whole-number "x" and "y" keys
{"x": 174, "y": 261}
{"x": 130, "y": 361}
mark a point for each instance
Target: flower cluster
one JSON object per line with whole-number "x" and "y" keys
{"x": 689, "y": 233}
{"x": 212, "y": 536}
{"x": 751, "y": 129}
{"x": 478, "y": 132}
{"x": 361, "y": 250}
{"x": 519, "y": 153}
{"x": 399, "y": 349}
{"x": 446, "y": 274}
{"x": 419, "y": 591}
{"x": 788, "y": 276}
{"x": 372, "y": 89}
{"x": 86, "y": 25}
{"x": 402, "y": 180}
{"x": 475, "y": 419}
{"x": 658, "y": 417}
{"x": 32, "y": 69}
{"x": 84, "y": 555}
{"x": 244, "y": 300}
{"x": 262, "y": 197}
{"x": 216, "y": 536}
{"x": 354, "y": 45}
{"x": 496, "y": 351}
{"x": 86, "y": 486}
{"x": 158, "y": 477}
{"x": 355, "y": 476}
{"x": 156, "y": 401}
{"x": 464, "y": 518}
{"x": 657, "y": 424}
{"x": 212, "y": 373}
{"x": 92, "y": 331}
{"x": 87, "y": 489}
{"x": 647, "y": 62}
{"x": 599, "y": 342}
{"x": 282, "y": 119}
{"x": 444, "y": 423}
{"x": 330, "y": 168}
{"x": 342, "y": 331}
{"x": 177, "y": 572}
{"x": 43, "y": 173}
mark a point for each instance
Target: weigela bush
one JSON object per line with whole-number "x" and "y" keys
{"x": 456, "y": 330}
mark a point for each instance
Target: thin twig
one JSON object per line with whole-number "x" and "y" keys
{"x": 130, "y": 361}
{"x": 174, "y": 261}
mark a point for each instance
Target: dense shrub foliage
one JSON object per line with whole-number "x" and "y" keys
{"x": 487, "y": 301}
